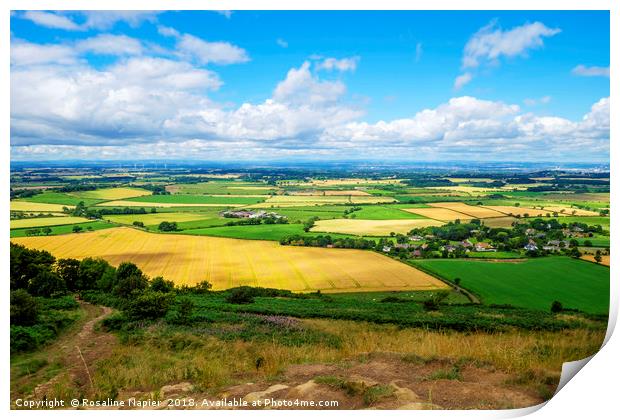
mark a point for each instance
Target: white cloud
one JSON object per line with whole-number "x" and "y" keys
{"x": 25, "y": 53}
{"x": 592, "y": 71}
{"x": 301, "y": 86}
{"x": 343, "y": 64}
{"x": 537, "y": 101}
{"x": 168, "y": 31}
{"x": 418, "y": 51}
{"x": 281, "y": 42}
{"x": 226, "y": 13}
{"x": 462, "y": 80}
{"x": 210, "y": 52}
{"x": 51, "y": 20}
{"x": 490, "y": 43}
{"x": 108, "y": 44}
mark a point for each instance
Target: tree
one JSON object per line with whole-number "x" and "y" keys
{"x": 47, "y": 230}
{"x": 186, "y": 309}
{"x": 27, "y": 263}
{"x": 149, "y": 304}
{"x": 159, "y": 284}
{"x": 556, "y": 307}
{"x": 138, "y": 224}
{"x": 77, "y": 228}
{"x": 91, "y": 272}
{"x": 69, "y": 270}
{"x": 24, "y": 308}
{"x": 46, "y": 284}
{"x": 597, "y": 257}
{"x": 129, "y": 278}
{"x": 168, "y": 226}
{"x": 587, "y": 243}
{"x": 240, "y": 295}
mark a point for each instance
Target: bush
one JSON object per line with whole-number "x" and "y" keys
{"x": 556, "y": 307}
{"x": 24, "y": 308}
{"x": 168, "y": 226}
{"x": 46, "y": 284}
{"x": 149, "y": 304}
{"x": 432, "y": 303}
{"x": 129, "y": 278}
{"x": 159, "y": 284}
{"x": 91, "y": 273}
{"x": 241, "y": 295}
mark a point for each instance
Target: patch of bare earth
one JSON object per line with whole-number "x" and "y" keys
{"x": 79, "y": 351}
{"x": 379, "y": 381}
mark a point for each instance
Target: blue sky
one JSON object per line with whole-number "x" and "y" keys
{"x": 260, "y": 84}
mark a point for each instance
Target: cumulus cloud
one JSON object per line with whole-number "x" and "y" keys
{"x": 342, "y": 64}
{"x": 51, "y": 20}
{"x": 491, "y": 43}
{"x": 592, "y": 71}
{"x": 107, "y": 44}
{"x": 25, "y": 53}
{"x": 281, "y": 42}
{"x": 537, "y": 101}
{"x": 89, "y": 19}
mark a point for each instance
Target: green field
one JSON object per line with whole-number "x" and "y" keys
{"x": 533, "y": 284}
{"x": 61, "y": 230}
{"x": 224, "y": 187}
{"x": 195, "y": 199}
{"x": 383, "y": 212}
{"x": 60, "y": 198}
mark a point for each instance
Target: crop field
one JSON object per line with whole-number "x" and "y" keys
{"x": 311, "y": 192}
{"x": 64, "y": 229}
{"x": 198, "y": 199}
{"x": 438, "y": 213}
{"x": 149, "y": 204}
{"x": 112, "y": 193}
{"x": 533, "y": 283}
{"x": 226, "y": 263}
{"x": 500, "y": 222}
{"x": 46, "y": 221}
{"x": 349, "y": 181}
{"x": 569, "y": 210}
{"x": 474, "y": 211}
{"x": 604, "y": 261}
{"x": 385, "y": 212}
{"x": 519, "y": 211}
{"x": 29, "y": 206}
{"x": 156, "y": 218}
{"x": 372, "y": 227}
{"x": 65, "y": 199}
{"x": 220, "y": 187}
{"x": 304, "y": 200}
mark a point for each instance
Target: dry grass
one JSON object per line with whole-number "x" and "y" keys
{"x": 441, "y": 214}
{"x": 226, "y": 263}
{"x": 156, "y": 218}
{"x": 565, "y": 210}
{"x": 37, "y": 207}
{"x": 474, "y": 211}
{"x": 304, "y": 200}
{"x": 521, "y": 211}
{"x": 500, "y": 222}
{"x": 604, "y": 261}
{"x": 211, "y": 363}
{"x": 371, "y": 227}
{"x": 46, "y": 221}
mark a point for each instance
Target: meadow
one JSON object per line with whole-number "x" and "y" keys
{"x": 46, "y": 221}
{"x": 188, "y": 259}
{"x": 532, "y": 283}
{"x": 371, "y": 227}
{"x": 29, "y": 206}
{"x": 64, "y": 229}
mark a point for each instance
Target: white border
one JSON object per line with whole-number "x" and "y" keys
{"x": 592, "y": 394}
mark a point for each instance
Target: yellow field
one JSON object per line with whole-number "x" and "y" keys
{"x": 156, "y": 218}
{"x": 46, "y": 221}
{"x": 588, "y": 257}
{"x": 330, "y": 193}
{"x": 437, "y": 213}
{"x": 474, "y": 211}
{"x": 226, "y": 263}
{"x": 465, "y": 189}
{"x": 371, "y": 227}
{"x": 37, "y": 207}
{"x": 251, "y": 188}
{"x": 469, "y": 180}
{"x": 521, "y": 211}
{"x": 347, "y": 181}
{"x": 113, "y": 193}
{"x": 146, "y": 204}
{"x": 306, "y": 200}
{"x": 497, "y": 222}
{"x": 569, "y": 211}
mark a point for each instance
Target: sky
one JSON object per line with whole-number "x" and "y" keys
{"x": 322, "y": 85}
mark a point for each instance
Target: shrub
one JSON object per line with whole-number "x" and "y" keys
{"x": 129, "y": 278}
{"x": 168, "y": 226}
{"x": 556, "y": 307}
{"x": 159, "y": 284}
{"x": 240, "y": 295}
{"x": 149, "y": 304}
{"x": 432, "y": 303}
{"x": 24, "y": 308}
{"x": 90, "y": 274}
{"x": 46, "y": 284}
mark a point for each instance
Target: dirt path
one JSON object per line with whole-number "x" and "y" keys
{"x": 79, "y": 351}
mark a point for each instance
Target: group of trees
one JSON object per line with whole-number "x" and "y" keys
{"x": 81, "y": 210}
{"x": 327, "y": 240}
{"x": 168, "y": 226}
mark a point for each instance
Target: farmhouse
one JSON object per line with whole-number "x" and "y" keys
{"x": 484, "y": 247}
{"x": 387, "y": 248}
{"x": 401, "y": 246}
{"x": 466, "y": 244}
{"x": 247, "y": 214}
{"x": 416, "y": 238}
{"x": 531, "y": 246}
{"x": 530, "y": 231}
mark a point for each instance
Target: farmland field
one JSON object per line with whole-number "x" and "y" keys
{"x": 605, "y": 259}
{"x": 473, "y": 211}
{"x": 147, "y": 204}
{"x": 372, "y": 227}
{"x": 64, "y": 229}
{"x": 227, "y": 263}
{"x": 65, "y": 199}
{"x": 519, "y": 211}
{"x": 156, "y": 218}
{"x": 304, "y": 200}
{"x": 441, "y": 214}
{"x": 112, "y": 193}
{"x": 198, "y": 199}
{"x": 29, "y": 206}
{"x": 46, "y": 221}
{"x": 534, "y": 283}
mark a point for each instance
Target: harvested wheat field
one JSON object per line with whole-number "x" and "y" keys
{"x": 519, "y": 211}
{"x": 441, "y": 214}
{"x": 474, "y": 211}
{"x": 307, "y": 200}
{"x": 113, "y": 193}
{"x": 499, "y": 222}
{"x": 37, "y": 207}
{"x": 46, "y": 221}
{"x": 148, "y": 204}
{"x": 569, "y": 211}
{"x": 226, "y": 263}
{"x": 371, "y": 227}
{"x": 604, "y": 261}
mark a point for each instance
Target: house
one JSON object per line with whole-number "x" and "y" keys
{"x": 531, "y": 246}
{"x": 402, "y": 246}
{"x": 429, "y": 236}
{"x": 484, "y": 247}
{"x": 466, "y": 244}
{"x": 416, "y": 238}
{"x": 449, "y": 248}
{"x": 416, "y": 254}
{"x": 530, "y": 231}
{"x": 577, "y": 229}
{"x": 387, "y": 248}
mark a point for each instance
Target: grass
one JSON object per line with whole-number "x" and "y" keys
{"x": 188, "y": 259}
{"x": 64, "y": 199}
{"x": 46, "y": 221}
{"x": 534, "y": 283}
{"x": 494, "y": 255}
{"x": 65, "y": 229}
{"x": 372, "y": 227}
{"x": 383, "y": 212}
{"x": 307, "y": 200}
{"x": 153, "y": 219}
{"x": 223, "y": 187}
{"x": 31, "y": 206}
{"x": 112, "y": 193}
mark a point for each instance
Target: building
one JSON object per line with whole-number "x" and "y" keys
{"x": 484, "y": 247}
